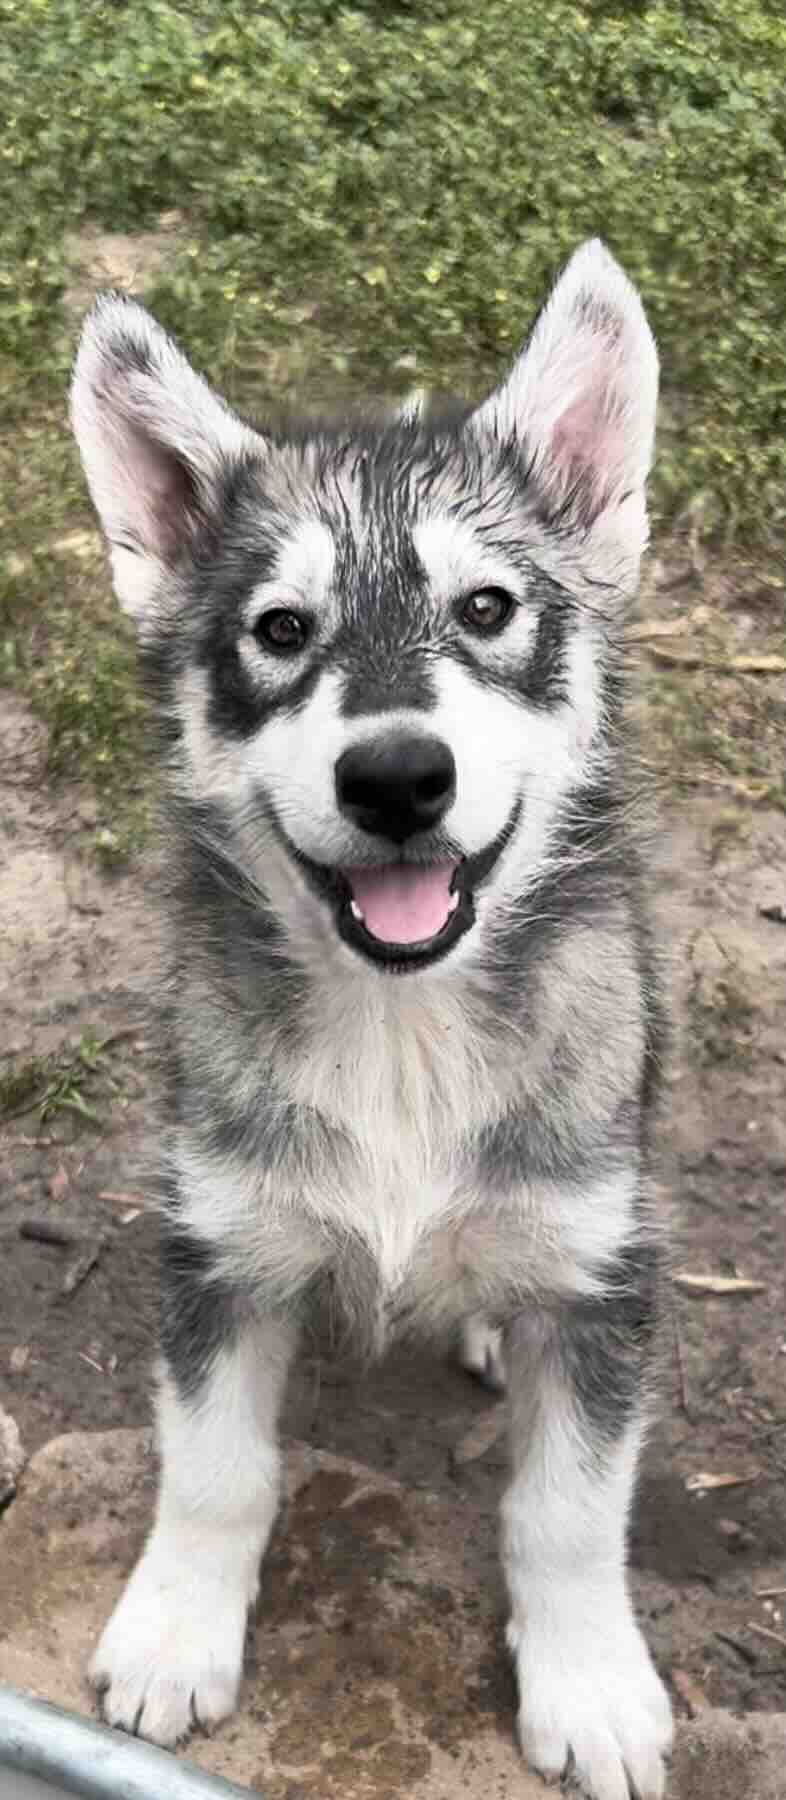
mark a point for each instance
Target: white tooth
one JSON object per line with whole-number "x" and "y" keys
{"x": 453, "y": 902}
{"x": 355, "y": 911}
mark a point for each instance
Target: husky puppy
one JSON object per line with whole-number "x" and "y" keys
{"x": 411, "y": 1019}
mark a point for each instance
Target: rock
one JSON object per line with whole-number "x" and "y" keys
{"x": 718, "y": 1757}
{"x": 12, "y": 1456}
{"x": 376, "y": 1666}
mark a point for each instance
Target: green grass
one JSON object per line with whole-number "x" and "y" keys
{"x": 64, "y": 642}
{"x": 375, "y": 195}
{"x": 415, "y": 172}
{"x": 76, "y": 1080}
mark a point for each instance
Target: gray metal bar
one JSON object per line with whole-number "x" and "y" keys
{"x": 75, "y": 1756}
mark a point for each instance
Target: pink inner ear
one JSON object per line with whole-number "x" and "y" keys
{"x": 585, "y": 448}
{"x": 163, "y": 499}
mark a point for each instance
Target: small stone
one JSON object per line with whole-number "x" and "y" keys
{"x": 12, "y": 1457}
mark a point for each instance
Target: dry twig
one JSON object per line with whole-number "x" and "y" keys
{"x": 50, "y": 1231}
{"x": 647, "y": 629}
{"x": 679, "y": 1358}
{"x": 775, "y": 1637}
{"x": 118, "y": 1198}
{"x": 81, "y": 1266}
{"x": 689, "y": 658}
{"x": 719, "y": 1284}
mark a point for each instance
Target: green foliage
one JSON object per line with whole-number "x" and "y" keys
{"x": 49, "y": 1085}
{"x": 398, "y": 179}
{"x": 62, "y": 638}
{"x": 375, "y": 196}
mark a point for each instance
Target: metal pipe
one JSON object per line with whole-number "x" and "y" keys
{"x": 75, "y": 1756}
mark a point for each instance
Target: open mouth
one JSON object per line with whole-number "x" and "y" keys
{"x": 406, "y": 915}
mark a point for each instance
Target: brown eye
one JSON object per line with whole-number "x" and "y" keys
{"x": 282, "y": 631}
{"x": 487, "y": 611}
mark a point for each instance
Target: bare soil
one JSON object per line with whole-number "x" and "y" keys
{"x": 76, "y": 961}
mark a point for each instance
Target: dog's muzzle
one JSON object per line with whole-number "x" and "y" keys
{"x": 404, "y": 915}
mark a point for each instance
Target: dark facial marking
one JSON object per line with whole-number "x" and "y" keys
{"x": 240, "y": 702}
{"x": 542, "y": 680}
{"x": 407, "y": 682}
{"x": 539, "y": 678}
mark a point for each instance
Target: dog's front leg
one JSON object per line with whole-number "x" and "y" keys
{"x": 590, "y": 1699}
{"x": 171, "y": 1655}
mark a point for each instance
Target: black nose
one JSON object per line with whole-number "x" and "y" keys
{"x": 395, "y": 786}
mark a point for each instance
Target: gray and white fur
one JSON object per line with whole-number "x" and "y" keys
{"x": 412, "y": 1025}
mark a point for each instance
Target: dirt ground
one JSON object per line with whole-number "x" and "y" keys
{"x": 77, "y": 950}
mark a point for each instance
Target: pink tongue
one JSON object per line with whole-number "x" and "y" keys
{"x": 402, "y": 904}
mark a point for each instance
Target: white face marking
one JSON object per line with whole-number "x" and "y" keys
{"x": 300, "y": 581}
{"x": 458, "y": 562}
{"x": 302, "y": 575}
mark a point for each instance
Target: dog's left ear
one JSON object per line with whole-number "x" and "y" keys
{"x": 581, "y": 398}
{"x": 156, "y": 444}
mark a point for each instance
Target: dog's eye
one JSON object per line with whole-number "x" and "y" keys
{"x": 487, "y": 611}
{"x": 282, "y": 631}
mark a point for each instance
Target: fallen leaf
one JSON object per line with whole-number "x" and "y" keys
{"x": 58, "y": 1185}
{"x": 689, "y": 1691}
{"x": 16, "y": 565}
{"x": 483, "y": 1432}
{"x": 776, "y": 913}
{"x": 19, "y": 1358}
{"x": 759, "y": 665}
{"x": 656, "y": 628}
{"x": 719, "y": 1284}
{"x": 77, "y": 543}
{"x": 705, "y": 1482}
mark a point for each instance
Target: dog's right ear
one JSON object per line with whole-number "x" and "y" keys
{"x": 155, "y": 442}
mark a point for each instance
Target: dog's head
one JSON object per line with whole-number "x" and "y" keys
{"x": 382, "y": 649}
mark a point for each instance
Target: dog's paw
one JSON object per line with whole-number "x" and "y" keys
{"x": 481, "y": 1353}
{"x": 593, "y": 1709}
{"x": 171, "y": 1655}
